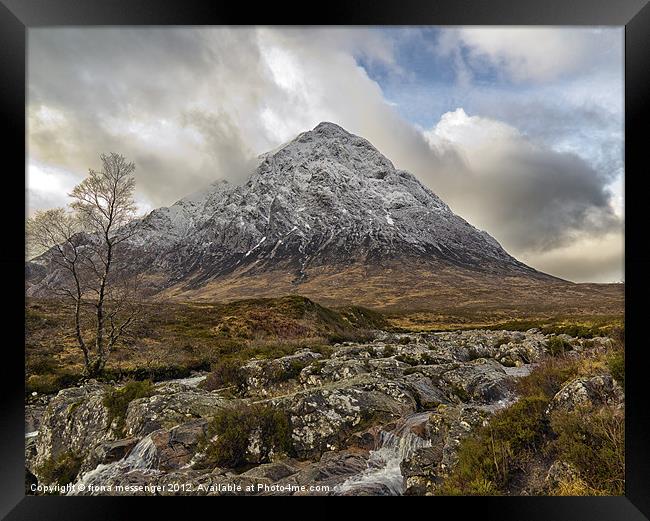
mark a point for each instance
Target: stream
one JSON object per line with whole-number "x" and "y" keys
{"x": 384, "y": 471}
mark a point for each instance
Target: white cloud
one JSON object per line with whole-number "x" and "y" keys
{"x": 48, "y": 186}
{"x": 534, "y": 53}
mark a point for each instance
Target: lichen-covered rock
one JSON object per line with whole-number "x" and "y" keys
{"x": 75, "y": 420}
{"x": 324, "y": 418}
{"x": 333, "y": 468}
{"x": 30, "y": 453}
{"x": 445, "y": 428}
{"x": 483, "y": 380}
{"x": 263, "y": 375}
{"x": 272, "y": 471}
{"x": 427, "y": 394}
{"x": 326, "y": 371}
{"x": 34, "y": 410}
{"x": 108, "y": 452}
{"x": 587, "y": 392}
{"x": 176, "y": 447}
{"x": 560, "y": 471}
{"x": 528, "y": 350}
{"x": 172, "y": 405}
{"x": 422, "y": 392}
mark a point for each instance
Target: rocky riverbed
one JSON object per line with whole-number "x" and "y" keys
{"x": 378, "y": 418}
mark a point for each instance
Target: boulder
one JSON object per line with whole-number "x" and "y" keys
{"x": 323, "y": 419}
{"x": 560, "y": 471}
{"x": 587, "y": 392}
{"x": 263, "y": 377}
{"x": 427, "y": 394}
{"x": 108, "y": 452}
{"x": 176, "y": 447}
{"x": 445, "y": 428}
{"x": 272, "y": 471}
{"x": 333, "y": 468}
{"x": 526, "y": 351}
{"x": 327, "y": 371}
{"x": 76, "y": 420}
{"x": 482, "y": 380}
{"x": 173, "y": 405}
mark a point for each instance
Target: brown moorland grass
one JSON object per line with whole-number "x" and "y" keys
{"x": 170, "y": 340}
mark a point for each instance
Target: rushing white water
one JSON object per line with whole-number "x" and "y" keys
{"x": 384, "y": 462}
{"x": 143, "y": 458}
{"x": 520, "y": 371}
{"x": 192, "y": 381}
{"x": 32, "y": 434}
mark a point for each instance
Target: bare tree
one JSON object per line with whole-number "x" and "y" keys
{"x": 85, "y": 241}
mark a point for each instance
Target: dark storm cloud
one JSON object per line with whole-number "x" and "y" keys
{"x": 527, "y": 195}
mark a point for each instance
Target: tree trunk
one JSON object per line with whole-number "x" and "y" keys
{"x": 94, "y": 367}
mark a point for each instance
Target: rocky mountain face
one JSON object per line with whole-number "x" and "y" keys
{"x": 326, "y": 202}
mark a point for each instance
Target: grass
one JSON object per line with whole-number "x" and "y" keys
{"x": 616, "y": 366}
{"x": 226, "y": 373}
{"x": 171, "y": 340}
{"x": 488, "y": 459}
{"x": 593, "y": 442}
{"x": 558, "y": 346}
{"x": 580, "y": 324}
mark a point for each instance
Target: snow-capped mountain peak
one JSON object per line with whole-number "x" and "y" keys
{"x": 325, "y": 199}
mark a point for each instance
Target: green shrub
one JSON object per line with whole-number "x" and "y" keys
{"x": 616, "y": 366}
{"x": 350, "y": 336}
{"x": 547, "y": 378}
{"x": 232, "y": 430}
{"x": 495, "y": 458}
{"x": 574, "y": 330}
{"x": 62, "y": 469}
{"x": 593, "y": 441}
{"x": 558, "y": 346}
{"x": 282, "y": 374}
{"x": 155, "y": 373}
{"x": 117, "y": 401}
{"x": 618, "y": 334}
{"x": 522, "y": 425}
{"x": 225, "y": 373}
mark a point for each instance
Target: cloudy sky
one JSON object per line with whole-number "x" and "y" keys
{"x": 519, "y": 130}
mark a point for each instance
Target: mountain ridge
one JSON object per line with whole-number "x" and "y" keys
{"x": 326, "y": 204}
{"x": 325, "y": 197}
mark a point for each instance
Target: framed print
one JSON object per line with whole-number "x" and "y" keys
{"x": 396, "y": 250}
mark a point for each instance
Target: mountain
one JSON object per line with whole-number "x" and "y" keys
{"x": 328, "y": 216}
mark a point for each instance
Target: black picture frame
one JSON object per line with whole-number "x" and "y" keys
{"x": 17, "y": 16}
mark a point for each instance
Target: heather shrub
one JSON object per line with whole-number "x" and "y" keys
{"x": 232, "y": 430}
{"x": 117, "y": 401}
